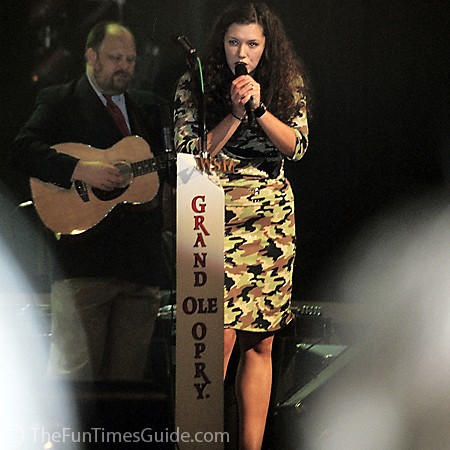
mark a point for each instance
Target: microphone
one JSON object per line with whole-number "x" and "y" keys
{"x": 185, "y": 44}
{"x": 241, "y": 69}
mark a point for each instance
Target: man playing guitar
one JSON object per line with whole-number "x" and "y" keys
{"x": 105, "y": 293}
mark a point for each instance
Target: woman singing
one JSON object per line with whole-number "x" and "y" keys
{"x": 256, "y": 115}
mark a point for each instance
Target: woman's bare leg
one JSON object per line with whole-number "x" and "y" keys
{"x": 253, "y": 387}
{"x": 229, "y": 339}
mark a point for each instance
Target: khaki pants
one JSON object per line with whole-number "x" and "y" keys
{"x": 101, "y": 329}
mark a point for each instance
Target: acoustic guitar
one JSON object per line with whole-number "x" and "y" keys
{"x": 75, "y": 210}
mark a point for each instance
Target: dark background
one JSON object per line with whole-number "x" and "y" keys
{"x": 379, "y": 131}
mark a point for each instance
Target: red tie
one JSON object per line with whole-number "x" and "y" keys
{"x": 117, "y": 115}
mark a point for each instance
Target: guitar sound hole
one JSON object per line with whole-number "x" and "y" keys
{"x": 108, "y": 195}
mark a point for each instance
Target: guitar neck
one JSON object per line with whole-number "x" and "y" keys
{"x": 149, "y": 165}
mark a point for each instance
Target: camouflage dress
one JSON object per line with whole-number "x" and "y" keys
{"x": 259, "y": 218}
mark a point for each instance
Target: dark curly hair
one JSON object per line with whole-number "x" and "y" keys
{"x": 280, "y": 72}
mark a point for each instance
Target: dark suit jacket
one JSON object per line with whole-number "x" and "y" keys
{"x": 127, "y": 243}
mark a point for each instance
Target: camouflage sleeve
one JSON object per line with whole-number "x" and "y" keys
{"x": 186, "y": 128}
{"x": 300, "y": 126}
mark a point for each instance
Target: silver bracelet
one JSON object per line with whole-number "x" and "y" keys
{"x": 237, "y": 117}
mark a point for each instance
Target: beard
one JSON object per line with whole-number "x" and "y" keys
{"x": 114, "y": 84}
{"x": 121, "y": 79}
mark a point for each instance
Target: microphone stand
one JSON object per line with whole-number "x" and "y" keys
{"x": 203, "y": 108}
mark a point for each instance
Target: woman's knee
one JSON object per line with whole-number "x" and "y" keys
{"x": 229, "y": 339}
{"x": 258, "y": 343}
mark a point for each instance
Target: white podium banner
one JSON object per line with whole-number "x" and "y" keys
{"x": 199, "y": 404}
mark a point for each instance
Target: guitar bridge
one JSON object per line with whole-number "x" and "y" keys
{"x": 82, "y": 190}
